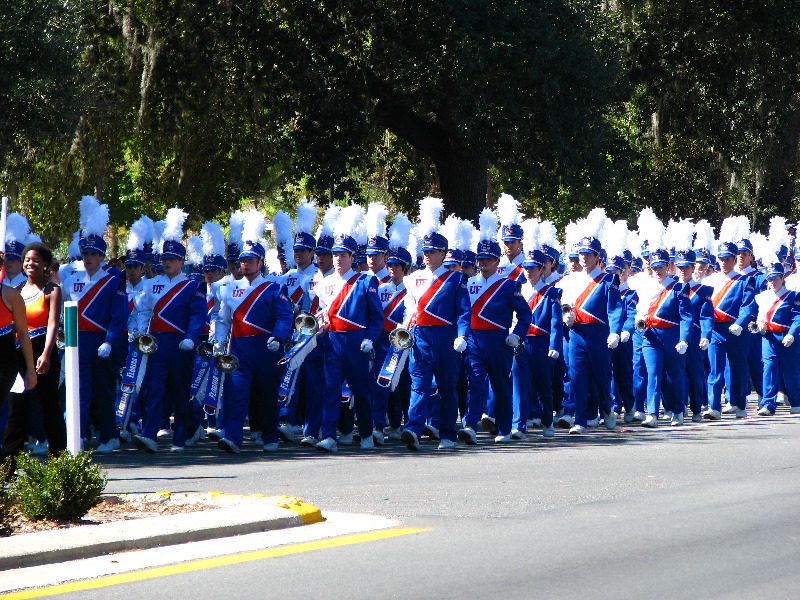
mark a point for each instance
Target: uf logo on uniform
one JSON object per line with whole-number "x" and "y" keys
{"x": 157, "y": 289}
{"x": 78, "y": 287}
{"x": 238, "y": 293}
{"x": 474, "y": 289}
{"x": 386, "y": 296}
{"x": 329, "y": 289}
{"x": 290, "y": 281}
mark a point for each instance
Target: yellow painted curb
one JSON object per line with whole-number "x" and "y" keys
{"x": 307, "y": 512}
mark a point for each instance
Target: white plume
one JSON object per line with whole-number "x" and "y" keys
{"x": 450, "y": 229}
{"x": 634, "y": 243}
{"x": 194, "y": 250}
{"x": 463, "y": 237}
{"x": 31, "y": 238}
{"x": 93, "y": 216}
{"x": 348, "y": 220}
{"x": 235, "y": 227}
{"x": 360, "y": 229}
{"x": 778, "y": 234}
{"x": 548, "y": 236}
{"x": 141, "y": 232}
{"x": 530, "y": 235}
{"x": 17, "y": 228}
{"x": 158, "y": 235}
{"x": 173, "y": 231}
{"x": 414, "y": 244}
{"x": 283, "y": 231}
{"x": 572, "y": 236}
{"x": 487, "y": 224}
{"x": 652, "y": 230}
{"x": 375, "y": 220}
{"x": 213, "y": 239}
{"x": 326, "y": 227}
{"x": 644, "y": 222}
{"x": 761, "y": 246}
{"x": 476, "y": 237}
{"x": 74, "y": 249}
{"x": 594, "y": 224}
{"x": 273, "y": 262}
{"x": 617, "y": 239}
{"x": 508, "y": 210}
{"x": 430, "y": 210}
{"x": 400, "y": 232}
{"x": 742, "y": 228}
{"x": 679, "y": 235}
{"x": 255, "y": 224}
{"x": 306, "y": 217}
{"x": 729, "y": 230}
{"x": 704, "y": 236}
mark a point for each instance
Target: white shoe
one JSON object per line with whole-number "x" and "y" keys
{"x": 534, "y": 423}
{"x": 610, "y": 420}
{"x": 697, "y": 418}
{"x": 729, "y": 409}
{"x": 309, "y": 441}
{"x": 639, "y": 416}
{"x": 741, "y": 413}
{"x": 502, "y": 439}
{"x": 651, "y": 421}
{"x": 270, "y": 447}
{"x": 764, "y": 412}
{"x": 378, "y": 437}
{"x": 677, "y": 419}
{"x": 593, "y": 422}
{"x": 125, "y": 436}
{"x": 108, "y": 447}
{"x": 286, "y": 433}
{"x": 577, "y": 429}
{"x": 257, "y": 439}
{"x": 488, "y": 424}
{"x": 41, "y": 448}
{"x": 431, "y": 432}
{"x": 548, "y": 431}
{"x": 447, "y": 445}
{"x": 367, "y": 443}
{"x": 215, "y": 435}
{"x": 795, "y": 410}
{"x": 199, "y": 434}
{"x": 345, "y": 439}
{"x": 177, "y": 449}
{"x": 297, "y": 429}
{"x": 327, "y": 445}
{"x": 394, "y": 433}
{"x": 629, "y": 416}
{"x": 516, "y": 434}
{"x": 145, "y": 443}
{"x": 782, "y": 398}
{"x": 410, "y": 439}
{"x": 565, "y": 421}
{"x": 228, "y": 446}
{"x": 468, "y": 436}
{"x": 712, "y": 415}
{"x": 667, "y": 416}
{"x": 164, "y": 433}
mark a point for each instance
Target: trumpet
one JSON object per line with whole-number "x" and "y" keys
{"x": 752, "y": 327}
{"x": 205, "y": 350}
{"x": 566, "y": 309}
{"x": 306, "y": 324}
{"x": 61, "y": 339}
{"x": 640, "y": 325}
{"x": 145, "y": 343}
{"x": 226, "y": 363}
{"x": 402, "y": 339}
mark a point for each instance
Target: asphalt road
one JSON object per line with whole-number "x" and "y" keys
{"x": 701, "y": 511}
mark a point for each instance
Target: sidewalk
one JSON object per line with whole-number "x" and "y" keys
{"x": 236, "y": 515}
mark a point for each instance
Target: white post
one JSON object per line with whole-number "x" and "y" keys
{"x": 71, "y": 378}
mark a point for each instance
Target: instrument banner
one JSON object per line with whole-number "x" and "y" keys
{"x": 287, "y": 384}
{"x": 393, "y": 365}
{"x": 213, "y": 393}
{"x": 299, "y": 351}
{"x": 134, "y": 368}
{"x": 201, "y": 369}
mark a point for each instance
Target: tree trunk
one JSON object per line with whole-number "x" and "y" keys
{"x": 463, "y": 180}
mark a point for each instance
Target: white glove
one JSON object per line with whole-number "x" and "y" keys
{"x": 132, "y": 336}
{"x": 762, "y": 327}
{"x": 704, "y": 344}
{"x": 460, "y": 344}
{"x": 788, "y": 340}
{"x": 218, "y": 349}
{"x": 553, "y": 354}
{"x": 624, "y": 337}
{"x": 186, "y": 345}
{"x": 273, "y": 344}
{"x": 366, "y": 346}
{"x": 569, "y": 319}
{"x": 613, "y": 340}
{"x": 735, "y": 329}
{"x": 512, "y": 340}
{"x": 681, "y": 347}
{"x": 104, "y": 351}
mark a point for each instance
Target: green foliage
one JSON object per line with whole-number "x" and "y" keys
{"x": 6, "y": 501}
{"x": 64, "y": 488}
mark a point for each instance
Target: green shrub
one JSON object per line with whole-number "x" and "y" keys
{"x": 6, "y": 501}
{"x": 62, "y": 489}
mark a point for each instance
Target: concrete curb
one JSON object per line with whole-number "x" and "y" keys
{"x": 237, "y": 515}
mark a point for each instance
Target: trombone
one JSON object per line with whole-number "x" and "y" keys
{"x": 566, "y": 309}
{"x": 641, "y": 325}
{"x": 227, "y": 362}
{"x": 401, "y": 338}
{"x": 306, "y": 324}
{"x": 205, "y": 350}
{"x": 145, "y": 343}
{"x": 752, "y": 327}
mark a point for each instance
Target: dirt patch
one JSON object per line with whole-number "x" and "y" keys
{"x": 106, "y": 512}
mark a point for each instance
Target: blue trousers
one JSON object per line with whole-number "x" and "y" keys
{"x": 380, "y": 394}
{"x": 532, "y": 378}
{"x": 728, "y": 350}
{"x": 256, "y": 381}
{"x": 567, "y": 401}
{"x": 344, "y": 360}
{"x": 431, "y": 355}
{"x": 312, "y": 378}
{"x": 589, "y": 368}
{"x": 696, "y": 373}
{"x": 665, "y": 370}
{"x": 754, "y": 363}
{"x": 98, "y": 385}
{"x": 639, "y": 373}
{"x": 168, "y": 376}
{"x": 781, "y": 371}
{"x": 622, "y": 376}
{"x": 488, "y": 356}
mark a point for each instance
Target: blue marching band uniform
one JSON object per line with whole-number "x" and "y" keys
{"x": 538, "y": 346}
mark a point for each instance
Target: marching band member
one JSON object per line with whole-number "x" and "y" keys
{"x": 438, "y": 309}
{"x": 533, "y": 368}
{"x": 171, "y": 309}
{"x": 494, "y": 300}
{"x": 102, "y": 314}
{"x": 234, "y": 247}
{"x": 595, "y": 323}
{"x": 733, "y": 301}
{"x": 17, "y": 230}
{"x": 778, "y": 322}
{"x": 350, "y": 305}
{"x": 511, "y": 236}
{"x": 254, "y": 318}
{"x": 377, "y": 244}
